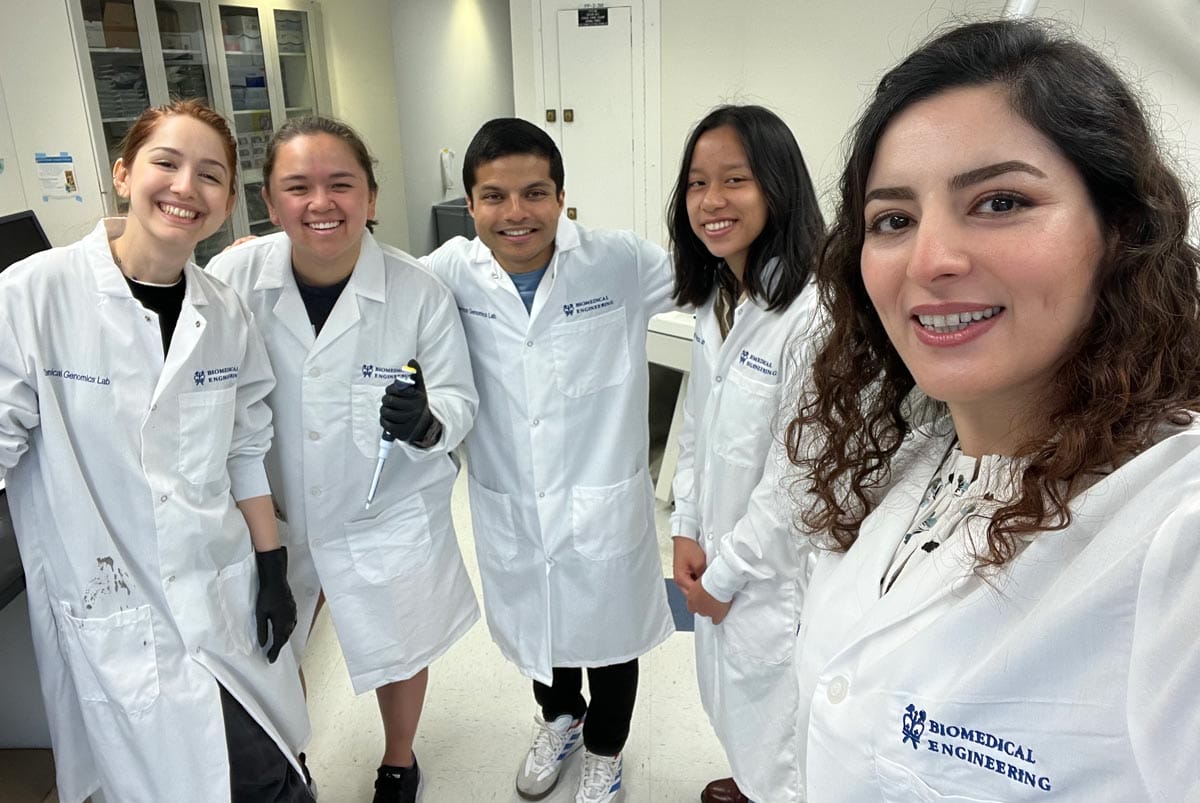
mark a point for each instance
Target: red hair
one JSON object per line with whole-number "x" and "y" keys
{"x": 144, "y": 126}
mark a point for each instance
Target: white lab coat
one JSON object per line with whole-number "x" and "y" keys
{"x": 561, "y": 499}
{"x": 393, "y": 575}
{"x": 122, "y": 473}
{"x": 729, "y": 497}
{"x": 1072, "y": 675}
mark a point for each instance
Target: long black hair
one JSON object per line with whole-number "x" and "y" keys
{"x": 794, "y": 229}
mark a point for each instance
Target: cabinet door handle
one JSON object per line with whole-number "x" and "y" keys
{"x": 568, "y": 115}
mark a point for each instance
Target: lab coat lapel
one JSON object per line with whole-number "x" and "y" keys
{"x": 277, "y": 277}
{"x": 921, "y": 585}
{"x": 367, "y": 282}
{"x": 188, "y": 331}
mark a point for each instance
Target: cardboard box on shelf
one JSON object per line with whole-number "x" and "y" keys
{"x": 120, "y": 25}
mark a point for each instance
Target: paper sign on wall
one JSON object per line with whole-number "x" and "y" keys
{"x": 56, "y": 177}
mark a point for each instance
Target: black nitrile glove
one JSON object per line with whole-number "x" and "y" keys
{"x": 405, "y": 413}
{"x": 275, "y": 604}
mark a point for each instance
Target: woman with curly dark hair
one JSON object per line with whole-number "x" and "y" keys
{"x": 1004, "y": 458}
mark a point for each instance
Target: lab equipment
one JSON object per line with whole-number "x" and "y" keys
{"x": 408, "y": 376}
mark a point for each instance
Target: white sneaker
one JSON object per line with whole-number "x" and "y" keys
{"x": 601, "y": 780}
{"x": 553, "y": 742}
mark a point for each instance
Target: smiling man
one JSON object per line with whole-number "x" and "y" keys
{"x": 561, "y": 498}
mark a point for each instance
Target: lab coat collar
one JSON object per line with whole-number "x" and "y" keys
{"x": 566, "y": 238}
{"x": 366, "y": 280}
{"x": 110, "y": 281}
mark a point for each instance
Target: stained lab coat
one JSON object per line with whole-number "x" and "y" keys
{"x": 122, "y": 471}
{"x": 1072, "y": 675}
{"x": 561, "y": 500}
{"x": 393, "y": 575}
{"x": 729, "y": 497}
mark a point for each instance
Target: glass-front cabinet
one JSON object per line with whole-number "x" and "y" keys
{"x": 258, "y": 62}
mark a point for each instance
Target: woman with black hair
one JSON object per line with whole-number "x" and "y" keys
{"x": 746, "y": 228}
{"x": 1008, "y": 463}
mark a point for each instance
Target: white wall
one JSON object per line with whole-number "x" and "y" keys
{"x": 48, "y": 114}
{"x": 358, "y": 52}
{"x": 815, "y": 63}
{"x": 453, "y": 61}
{"x": 1157, "y": 47}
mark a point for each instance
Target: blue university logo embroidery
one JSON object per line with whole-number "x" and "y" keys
{"x": 199, "y": 378}
{"x": 914, "y": 725}
{"x": 568, "y": 310}
{"x": 368, "y": 370}
{"x": 742, "y": 359}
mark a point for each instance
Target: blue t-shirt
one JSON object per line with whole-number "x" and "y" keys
{"x": 527, "y": 285}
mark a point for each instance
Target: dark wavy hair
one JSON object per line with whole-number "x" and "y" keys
{"x": 794, "y": 228}
{"x": 311, "y": 125}
{"x": 1134, "y": 368}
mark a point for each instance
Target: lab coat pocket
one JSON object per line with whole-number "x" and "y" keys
{"x": 237, "y": 593}
{"x": 898, "y": 784}
{"x": 365, "y": 401}
{"x": 591, "y": 354}
{"x": 205, "y": 432}
{"x": 113, "y": 659}
{"x": 742, "y": 435}
{"x": 609, "y": 521}
{"x": 761, "y": 625}
{"x": 393, "y": 544}
{"x": 492, "y": 520}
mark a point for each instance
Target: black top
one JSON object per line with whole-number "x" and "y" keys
{"x": 319, "y": 301}
{"x": 165, "y": 300}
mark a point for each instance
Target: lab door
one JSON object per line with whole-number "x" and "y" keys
{"x": 590, "y": 94}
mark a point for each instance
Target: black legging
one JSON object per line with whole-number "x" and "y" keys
{"x": 613, "y": 689}
{"x": 258, "y": 771}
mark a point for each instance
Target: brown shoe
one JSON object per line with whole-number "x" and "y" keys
{"x": 723, "y": 790}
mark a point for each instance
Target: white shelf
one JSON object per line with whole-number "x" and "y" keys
{"x": 293, "y": 53}
{"x": 256, "y": 53}
{"x": 177, "y": 52}
{"x": 116, "y": 51}
{"x": 252, "y": 111}
{"x": 118, "y": 119}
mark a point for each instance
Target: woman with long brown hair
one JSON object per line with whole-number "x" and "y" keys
{"x": 1000, "y": 450}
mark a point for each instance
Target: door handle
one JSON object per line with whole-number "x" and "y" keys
{"x": 568, "y": 115}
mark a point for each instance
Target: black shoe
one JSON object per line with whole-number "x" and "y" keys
{"x": 398, "y": 784}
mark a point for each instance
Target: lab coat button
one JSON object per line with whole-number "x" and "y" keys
{"x": 314, "y": 436}
{"x": 529, "y": 343}
{"x": 315, "y": 492}
{"x": 314, "y": 372}
{"x": 162, "y": 498}
{"x": 837, "y": 689}
{"x": 535, "y": 422}
{"x": 153, "y": 408}
{"x": 719, "y": 377}
{"x": 541, "y": 494}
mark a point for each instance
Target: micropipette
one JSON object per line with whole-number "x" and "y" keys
{"x": 408, "y": 377}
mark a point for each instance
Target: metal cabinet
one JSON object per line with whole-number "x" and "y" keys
{"x": 258, "y": 62}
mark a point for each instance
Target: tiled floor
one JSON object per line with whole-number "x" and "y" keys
{"x": 479, "y": 714}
